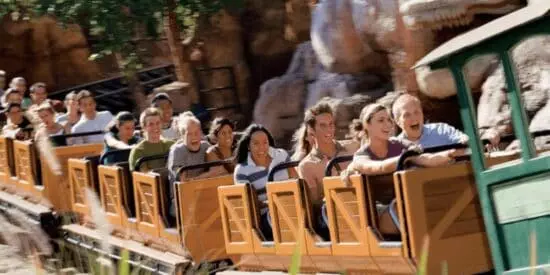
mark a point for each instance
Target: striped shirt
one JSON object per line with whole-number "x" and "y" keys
{"x": 249, "y": 172}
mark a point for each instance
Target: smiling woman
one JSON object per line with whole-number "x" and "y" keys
{"x": 256, "y": 157}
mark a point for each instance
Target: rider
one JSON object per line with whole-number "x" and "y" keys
{"x": 408, "y": 115}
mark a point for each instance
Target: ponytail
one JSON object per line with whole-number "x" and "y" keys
{"x": 357, "y": 131}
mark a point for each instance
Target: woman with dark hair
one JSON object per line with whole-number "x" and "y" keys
{"x": 256, "y": 157}
{"x": 120, "y": 135}
{"x": 221, "y": 134}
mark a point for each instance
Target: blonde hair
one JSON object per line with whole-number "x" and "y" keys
{"x": 357, "y": 127}
{"x": 45, "y": 107}
{"x": 301, "y": 146}
{"x": 147, "y": 113}
{"x": 183, "y": 122}
{"x": 401, "y": 101}
{"x": 16, "y": 80}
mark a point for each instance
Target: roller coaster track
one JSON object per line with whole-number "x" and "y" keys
{"x": 113, "y": 93}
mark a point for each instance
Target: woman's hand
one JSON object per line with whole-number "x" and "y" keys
{"x": 437, "y": 159}
{"x": 345, "y": 175}
{"x": 443, "y": 158}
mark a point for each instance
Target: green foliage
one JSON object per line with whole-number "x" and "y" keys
{"x": 124, "y": 265}
{"x": 115, "y": 23}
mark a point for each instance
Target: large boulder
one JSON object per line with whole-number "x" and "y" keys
{"x": 280, "y": 106}
{"x": 440, "y": 83}
{"x": 341, "y": 39}
{"x": 532, "y": 66}
{"x": 343, "y": 85}
{"x": 283, "y": 100}
{"x": 273, "y": 29}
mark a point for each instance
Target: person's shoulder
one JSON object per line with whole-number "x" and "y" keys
{"x": 211, "y": 149}
{"x": 205, "y": 145}
{"x": 104, "y": 114}
{"x": 242, "y": 169}
{"x": 439, "y": 127}
{"x": 280, "y": 153}
{"x": 170, "y": 143}
{"x": 61, "y": 117}
{"x": 110, "y": 134}
{"x": 79, "y": 125}
{"x": 307, "y": 162}
{"x": 139, "y": 148}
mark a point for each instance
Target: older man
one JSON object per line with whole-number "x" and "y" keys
{"x": 409, "y": 116}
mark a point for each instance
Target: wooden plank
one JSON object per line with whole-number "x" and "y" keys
{"x": 59, "y": 184}
{"x": 333, "y": 187}
{"x": 198, "y": 212}
{"x": 446, "y": 225}
{"x": 226, "y": 196}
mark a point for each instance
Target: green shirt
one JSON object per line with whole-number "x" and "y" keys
{"x": 145, "y": 149}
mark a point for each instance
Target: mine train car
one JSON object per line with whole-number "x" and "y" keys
{"x": 470, "y": 217}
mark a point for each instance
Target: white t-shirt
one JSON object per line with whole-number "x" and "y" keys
{"x": 171, "y": 133}
{"x": 99, "y": 123}
{"x": 257, "y": 175}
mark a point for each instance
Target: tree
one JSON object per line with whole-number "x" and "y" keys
{"x": 117, "y": 22}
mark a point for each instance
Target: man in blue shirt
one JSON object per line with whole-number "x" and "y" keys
{"x": 408, "y": 114}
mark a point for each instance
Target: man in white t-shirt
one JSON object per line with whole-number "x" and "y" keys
{"x": 90, "y": 120}
{"x": 169, "y": 123}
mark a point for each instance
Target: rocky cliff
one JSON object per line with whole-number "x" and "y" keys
{"x": 40, "y": 50}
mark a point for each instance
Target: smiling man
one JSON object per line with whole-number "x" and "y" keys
{"x": 408, "y": 115}
{"x": 320, "y": 119}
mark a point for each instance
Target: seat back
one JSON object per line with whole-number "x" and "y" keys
{"x": 288, "y": 216}
{"x": 27, "y": 168}
{"x": 347, "y": 215}
{"x": 81, "y": 177}
{"x": 200, "y": 219}
{"x": 378, "y": 189}
{"x": 442, "y": 204}
{"x": 94, "y": 162}
{"x": 148, "y": 205}
{"x": 7, "y": 161}
{"x": 111, "y": 157}
{"x": 111, "y": 182}
{"x": 165, "y": 189}
{"x": 128, "y": 197}
{"x": 55, "y": 184}
{"x": 235, "y": 209}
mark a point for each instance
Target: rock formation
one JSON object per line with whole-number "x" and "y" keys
{"x": 40, "y": 50}
{"x": 532, "y": 62}
{"x": 341, "y": 34}
{"x": 283, "y": 99}
{"x": 350, "y": 38}
{"x": 221, "y": 44}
